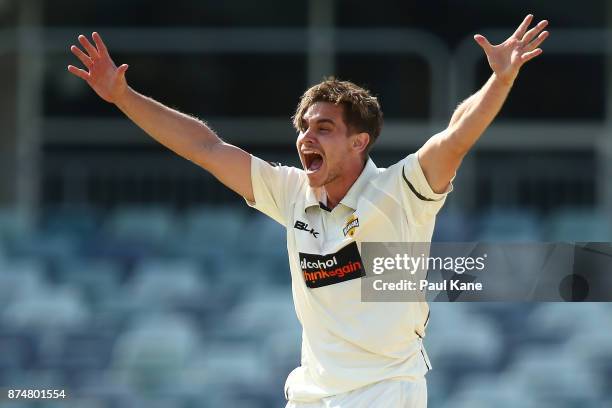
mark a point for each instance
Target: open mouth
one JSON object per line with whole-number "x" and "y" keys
{"x": 312, "y": 161}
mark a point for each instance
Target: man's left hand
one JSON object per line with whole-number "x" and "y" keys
{"x": 507, "y": 58}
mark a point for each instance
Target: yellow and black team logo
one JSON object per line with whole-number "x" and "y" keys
{"x": 351, "y": 225}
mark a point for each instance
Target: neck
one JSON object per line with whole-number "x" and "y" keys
{"x": 337, "y": 189}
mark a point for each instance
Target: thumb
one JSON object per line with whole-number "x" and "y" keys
{"x": 483, "y": 42}
{"x": 122, "y": 69}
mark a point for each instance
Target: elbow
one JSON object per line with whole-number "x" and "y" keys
{"x": 204, "y": 151}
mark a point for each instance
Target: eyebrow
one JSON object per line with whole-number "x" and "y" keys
{"x": 319, "y": 121}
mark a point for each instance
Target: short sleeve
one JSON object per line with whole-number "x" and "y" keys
{"x": 274, "y": 187}
{"x": 415, "y": 192}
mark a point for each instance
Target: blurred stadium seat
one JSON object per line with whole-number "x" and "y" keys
{"x": 263, "y": 237}
{"x": 579, "y": 225}
{"x": 550, "y": 375}
{"x": 461, "y": 341}
{"x": 130, "y": 234}
{"x": 99, "y": 279}
{"x": 19, "y": 352}
{"x": 80, "y": 221}
{"x": 147, "y": 225}
{"x": 555, "y": 319}
{"x": 485, "y": 390}
{"x": 593, "y": 348}
{"x": 201, "y": 226}
{"x": 21, "y": 279}
{"x": 232, "y": 365}
{"x": 164, "y": 283}
{"x": 254, "y": 314}
{"x": 51, "y": 248}
{"x": 50, "y": 309}
{"x": 152, "y": 355}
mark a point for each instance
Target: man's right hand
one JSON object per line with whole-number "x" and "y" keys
{"x": 104, "y": 77}
{"x": 185, "y": 135}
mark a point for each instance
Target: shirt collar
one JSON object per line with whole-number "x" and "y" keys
{"x": 316, "y": 195}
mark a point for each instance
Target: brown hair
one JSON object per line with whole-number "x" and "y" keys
{"x": 362, "y": 111}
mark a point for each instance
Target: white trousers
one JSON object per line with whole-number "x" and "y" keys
{"x": 392, "y": 393}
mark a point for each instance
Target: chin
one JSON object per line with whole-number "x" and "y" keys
{"x": 314, "y": 180}
{"x": 320, "y": 179}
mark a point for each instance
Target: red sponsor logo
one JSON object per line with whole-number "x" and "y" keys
{"x": 323, "y": 270}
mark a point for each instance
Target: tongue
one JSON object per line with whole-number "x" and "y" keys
{"x": 315, "y": 164}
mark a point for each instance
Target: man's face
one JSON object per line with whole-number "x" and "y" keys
{"x": 324, "y": 144}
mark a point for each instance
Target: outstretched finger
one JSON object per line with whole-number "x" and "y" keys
{"x": 520, "y": 31}
{"x": 537, "y": 42}
{"x": 81, "y": 56}
{"x": 99, "y": 43}
{"x": 483, "y": 42}
{"x": 531, "y": 55}
{"x": 91, "y": 50}
{"x": 531, "y": 34}
{"x": 78, "y": 72}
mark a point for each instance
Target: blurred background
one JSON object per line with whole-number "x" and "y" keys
{"x": 123, "y": 268}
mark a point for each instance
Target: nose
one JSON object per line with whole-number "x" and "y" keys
{"x": 307, "y": 137}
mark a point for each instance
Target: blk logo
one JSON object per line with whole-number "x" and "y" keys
{"x": 304, "y": 227}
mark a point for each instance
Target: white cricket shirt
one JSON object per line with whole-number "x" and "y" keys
{"x": 347, "y": 343}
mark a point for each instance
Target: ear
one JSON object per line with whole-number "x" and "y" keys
{"x": 360, "y": 141}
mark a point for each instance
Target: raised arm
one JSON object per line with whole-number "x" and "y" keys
{"x": 185, "y": 135}
{"x": 442, "y": 154}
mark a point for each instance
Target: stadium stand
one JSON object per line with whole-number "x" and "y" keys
{"x": 208, "y": 320}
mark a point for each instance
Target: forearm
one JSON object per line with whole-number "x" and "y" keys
{"x": 441, "y": 155}
{"x": 461, "y": 108}
{"x": 181, "y": 133}
{"x": 474, "y": 115}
